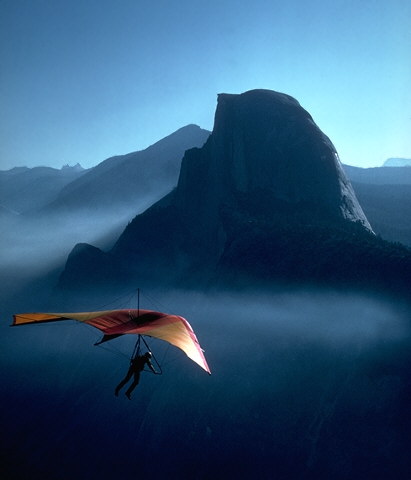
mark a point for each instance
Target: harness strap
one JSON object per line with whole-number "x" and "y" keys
{"x": 137, "y": 350}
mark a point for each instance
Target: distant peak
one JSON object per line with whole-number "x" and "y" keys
{"x": 76, "y": 167}
{"x": 190, "y": 127}
{"x": 397, "y": 162}
{"x": 17, "y": 169}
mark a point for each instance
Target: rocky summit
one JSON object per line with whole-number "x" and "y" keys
{"x": 265, "y": 145}
{"x": 264, "y": 199}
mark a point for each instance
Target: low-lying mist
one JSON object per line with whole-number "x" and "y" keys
{"x": 33, "y": 245}
{"x": 303, "y": 385}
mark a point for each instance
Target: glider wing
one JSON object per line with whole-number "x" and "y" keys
{"x": 113, "y": 323}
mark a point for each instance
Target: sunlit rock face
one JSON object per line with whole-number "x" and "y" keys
{"x": 266, "y": 146}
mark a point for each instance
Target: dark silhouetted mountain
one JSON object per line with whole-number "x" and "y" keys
{"x": 379, "y": 175}
{"x": 123, "y": 181}
{"x": 23, "y": 189}
{"x": 264, "y": 200}
{"x": 397, "y": 162}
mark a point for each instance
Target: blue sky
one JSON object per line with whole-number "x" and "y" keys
{"x": 82, "y": 80}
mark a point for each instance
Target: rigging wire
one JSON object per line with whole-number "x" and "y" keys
{"x": 114, "y": 350}
{"x": 126, "y": 300}
{"x": 156, "y": 303}
{"x": 111, "y": 349}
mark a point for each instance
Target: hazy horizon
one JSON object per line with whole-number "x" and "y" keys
{"x": 74, "y": 163}
{"x": 83, "y": 81}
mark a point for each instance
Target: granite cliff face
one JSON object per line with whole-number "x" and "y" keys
{"x": 265, "y": 198}
{"x": 265, "y": 162}
{"x": 265, "y": 144}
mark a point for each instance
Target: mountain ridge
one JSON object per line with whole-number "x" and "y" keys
{"x": 24, "y": 189}
{"x": 125, "y": 179}
{"x": 218, "y": 222}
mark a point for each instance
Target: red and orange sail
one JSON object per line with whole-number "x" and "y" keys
{"x": 113, "y": 323}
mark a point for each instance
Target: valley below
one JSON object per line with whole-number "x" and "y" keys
{"x": 304, "y": 384}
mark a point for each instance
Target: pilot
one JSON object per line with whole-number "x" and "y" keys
{"x": 137, "y": 365}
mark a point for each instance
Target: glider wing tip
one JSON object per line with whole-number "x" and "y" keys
{"x": 14, "y": 323}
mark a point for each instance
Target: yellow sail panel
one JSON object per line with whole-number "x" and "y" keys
{"x": 26, "y": 318}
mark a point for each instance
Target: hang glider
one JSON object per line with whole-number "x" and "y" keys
{"x": 171, "y": 328}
